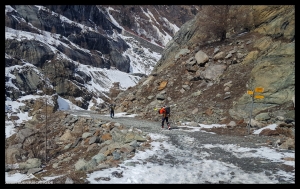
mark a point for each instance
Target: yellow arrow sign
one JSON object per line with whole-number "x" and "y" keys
{"x": 259, "y": 89}
{"x": 259, "y": 96}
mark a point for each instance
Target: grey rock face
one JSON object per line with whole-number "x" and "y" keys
{"x": 30, "y": 50}
{"x": 83, "y": 33}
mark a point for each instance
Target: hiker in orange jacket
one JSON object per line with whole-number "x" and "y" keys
{"x": 165, "y": 117}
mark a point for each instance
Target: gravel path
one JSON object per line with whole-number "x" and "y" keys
{"x": 193, "y": 143}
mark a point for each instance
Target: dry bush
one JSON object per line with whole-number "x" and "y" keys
{"x": 78, "y": 177}
{"x": 285, "y": 131}
{"x": 240, "y": 19}
{"x": 213, "y": 20}
{"x": 35, "y": 147}
{"x": 216, "y": 21}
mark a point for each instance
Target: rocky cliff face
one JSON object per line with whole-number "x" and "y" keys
{"x": 146, "y": 20}
{"x": 207, "y": 68}
{"x": 204, "y": 72}
{"x": 58, "y": 39}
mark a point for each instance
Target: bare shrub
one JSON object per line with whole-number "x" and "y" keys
{"x": 215, "y": 21}
{"x": 34, "y": 147}
{"x": 240, "y": 19}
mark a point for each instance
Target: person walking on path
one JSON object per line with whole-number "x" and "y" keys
{"x": 112, "y": 110}
{"x": 165, "y": 117}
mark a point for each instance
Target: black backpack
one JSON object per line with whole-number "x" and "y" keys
{"x": 112, "y": 106}
{"x": 168, "y": 110}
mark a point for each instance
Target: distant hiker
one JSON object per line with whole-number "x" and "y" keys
{"x": 165, "y": 116}
{"x": 112, "y": 110}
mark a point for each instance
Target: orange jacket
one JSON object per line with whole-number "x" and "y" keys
{"x": 163, "y": 112}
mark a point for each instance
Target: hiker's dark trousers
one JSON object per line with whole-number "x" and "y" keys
{"x": 165, "y": 119}
{"x": 112, "y": 114}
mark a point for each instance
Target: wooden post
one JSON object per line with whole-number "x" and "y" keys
{"x": 250, "y": 114}
{"x": 46, "y": 134}
{"x": 252, "y": 92}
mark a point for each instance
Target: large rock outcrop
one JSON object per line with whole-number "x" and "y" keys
{"x": 258, "y": 50}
